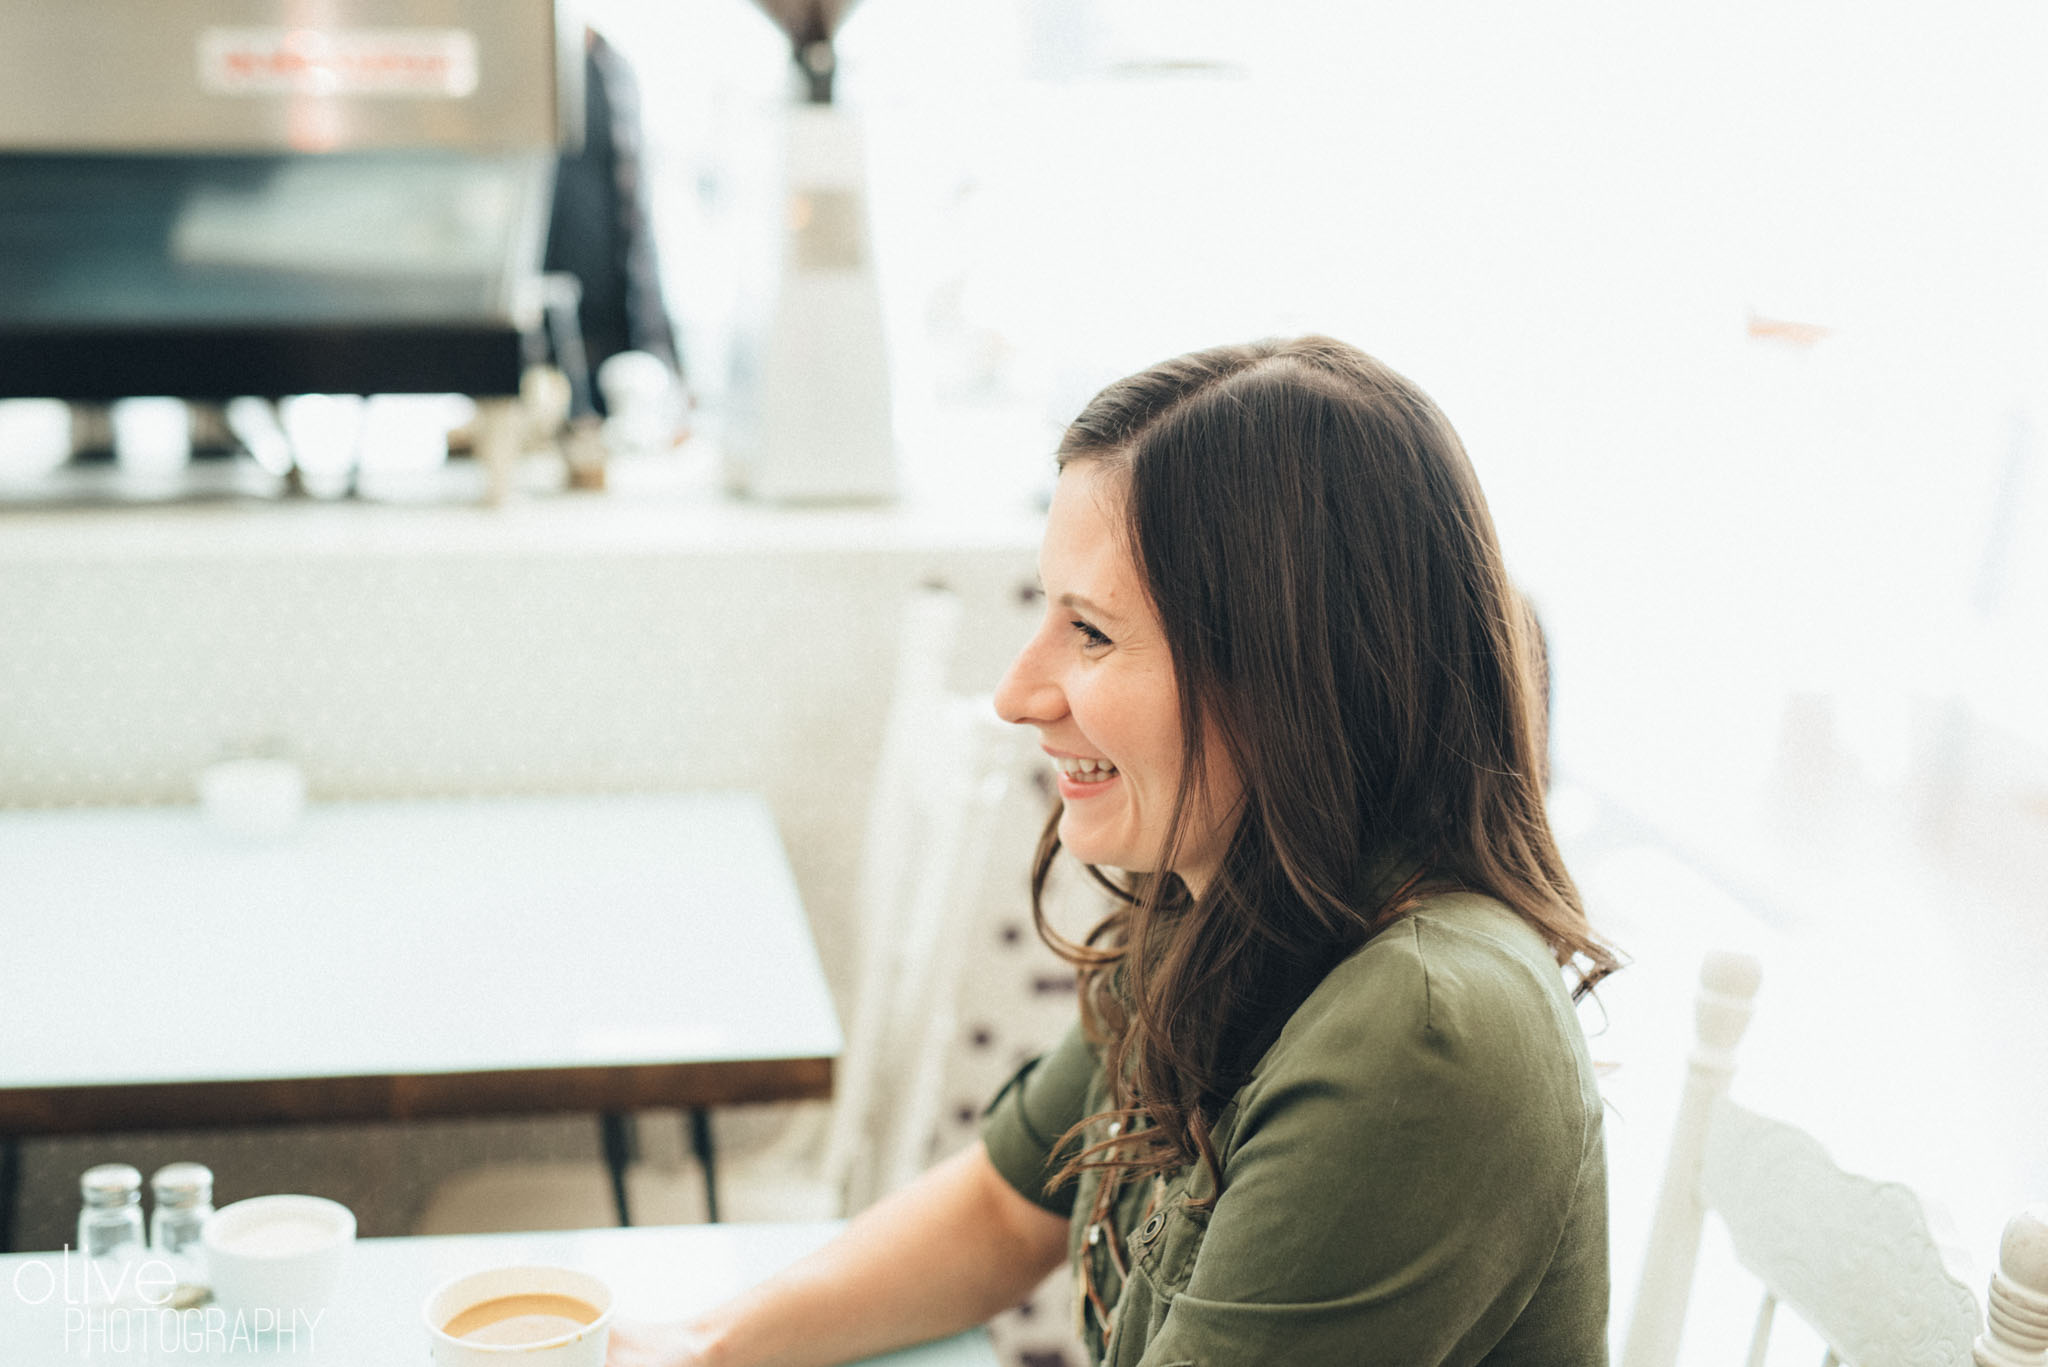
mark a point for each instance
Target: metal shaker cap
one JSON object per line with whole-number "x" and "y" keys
{"x": 111, "y": 1184}
{"x": 182, "y": 1184}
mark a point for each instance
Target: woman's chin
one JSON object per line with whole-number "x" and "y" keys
{"x": 1101, "y": 854}
{"x": 1087, "y": 848}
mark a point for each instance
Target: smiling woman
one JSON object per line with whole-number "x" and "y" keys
{"x": 1326, "y": 1099}
{"x": 1277, "y": 609}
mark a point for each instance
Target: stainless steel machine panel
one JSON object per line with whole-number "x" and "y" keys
{"x": 175, "y": 76}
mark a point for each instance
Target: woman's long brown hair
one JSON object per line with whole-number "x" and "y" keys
{"x": 1333, "y": 597}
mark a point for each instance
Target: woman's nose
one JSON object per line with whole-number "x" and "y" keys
{"x": 1027, "y": 695}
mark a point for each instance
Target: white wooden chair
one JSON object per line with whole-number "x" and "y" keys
{"x": 931, "y": 624}
{"x": 948, "y": 765}
{"x": 1852, "y": 1257}
{"x": 933, "y": 930}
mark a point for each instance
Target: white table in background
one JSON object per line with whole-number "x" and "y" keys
{"x": 375, "y": 1318}
{"x": 403, "y": 959}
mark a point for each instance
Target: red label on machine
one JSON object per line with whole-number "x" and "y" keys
{"x": 414, "y": 63}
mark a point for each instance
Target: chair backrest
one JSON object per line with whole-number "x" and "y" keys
{"x": 943, "y": 911}
{"x": 1852, "y": 1257}
{"x": 945, "y": 767}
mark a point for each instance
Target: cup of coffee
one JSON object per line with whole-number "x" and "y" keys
{"x": 282, "y": 1253}
{"x": 527, "y": 1316}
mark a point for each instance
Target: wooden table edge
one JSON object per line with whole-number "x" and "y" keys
{"x": 98, "y": 1108}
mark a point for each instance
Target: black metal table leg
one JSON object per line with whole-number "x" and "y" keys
{"x": 617, "y": 1140}
{"x": 10, "y": 1189}
{"x": 707, "y": 1154}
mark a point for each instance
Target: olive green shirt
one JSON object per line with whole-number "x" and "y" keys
{"x": 1413, "y": 1174}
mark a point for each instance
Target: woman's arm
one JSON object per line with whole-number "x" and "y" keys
{"x": 944, "y": 1254}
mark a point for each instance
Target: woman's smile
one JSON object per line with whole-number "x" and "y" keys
{"x": 1081, "y": 777}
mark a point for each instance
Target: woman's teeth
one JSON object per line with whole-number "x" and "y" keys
{"x": 1086, "y": 770}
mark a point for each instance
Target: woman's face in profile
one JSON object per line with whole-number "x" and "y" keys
{"x": 1097, "y": 681}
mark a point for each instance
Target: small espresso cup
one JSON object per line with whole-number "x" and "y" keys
{"x": 281, "y": 1253}
{"x": 530, "y": 1295}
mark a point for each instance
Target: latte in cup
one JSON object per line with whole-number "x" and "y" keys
{"x": 530, "y": 1317}
{"x": 526, "y": 1316}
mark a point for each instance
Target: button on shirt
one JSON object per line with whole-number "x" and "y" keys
{"x": 1414, "y": 1173}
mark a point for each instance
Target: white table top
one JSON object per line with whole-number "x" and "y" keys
{"x": 375, "y": 1318}
{"x": 403, "y": 938}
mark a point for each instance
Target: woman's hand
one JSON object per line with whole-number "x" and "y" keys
{"x": 938, "y": 1256}
{"x": 655, "y": 1345}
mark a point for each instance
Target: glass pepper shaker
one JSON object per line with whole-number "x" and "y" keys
{"x": 184, "y": 1198}
{"x": 110, "y": 1235}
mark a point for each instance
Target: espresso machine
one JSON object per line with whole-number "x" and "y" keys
{"x": 237, "y": 200}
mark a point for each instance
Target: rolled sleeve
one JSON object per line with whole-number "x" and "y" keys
{"x": 1041, "y": 1101}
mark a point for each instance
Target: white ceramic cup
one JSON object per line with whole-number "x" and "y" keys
{"x": 152, "y": 435}
{"x": 282, "y": 1253}
{"x": 585, "y": 1347}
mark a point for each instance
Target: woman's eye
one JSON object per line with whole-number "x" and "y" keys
{"x": 1090, "y": 637}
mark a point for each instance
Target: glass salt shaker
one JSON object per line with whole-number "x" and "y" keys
{"x": 184, "y": 1198}
{"x": 110, "y": 1226}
